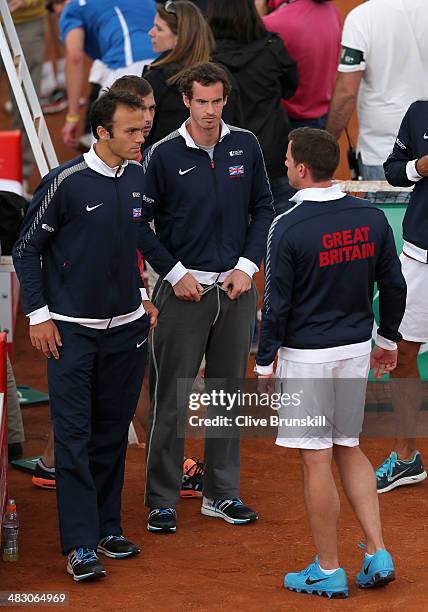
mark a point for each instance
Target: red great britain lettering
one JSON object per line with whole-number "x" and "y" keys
{"x": 346, "y": 245}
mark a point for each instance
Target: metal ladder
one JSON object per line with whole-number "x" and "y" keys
{"x": 25, "y": 94}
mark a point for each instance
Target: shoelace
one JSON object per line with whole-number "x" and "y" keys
{"x": 387, "y": 466}
{"x": 233, "y": 502}
{"x": 163, "y": 511}
{"x": 86, "y": 554}
{"x": 112, "y": 537}
{"x": 307, "y": 570}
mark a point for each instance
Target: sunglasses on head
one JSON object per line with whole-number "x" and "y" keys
{"x": 170, "y": 7}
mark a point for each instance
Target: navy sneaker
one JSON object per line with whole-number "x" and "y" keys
{"x": 395, "y": 472}
{"x": 162, "y": 520}
{"x": 231, "y": 510}
{"x": 313, "y": 580}
{"x": 44, "y": 476}
{"x": 377, "y": 570}
{"x": 83, "y": 564}
{"x": 117, "y": 547}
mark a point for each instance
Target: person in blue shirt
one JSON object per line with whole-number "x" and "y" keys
{"x": 115, "y": 32}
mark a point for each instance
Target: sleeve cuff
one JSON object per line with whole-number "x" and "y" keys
{"x": 176, "y": 274}
{"x": 259, "y": 369}
{"x": 386, "y": 344}
{"x": 39, "y": 316}
{"x": 412, "y": 174}
{"x": 144, "y": 295}
{"x": 247, "y": 266}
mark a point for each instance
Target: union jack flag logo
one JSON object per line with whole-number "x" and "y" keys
{"x": 136, "y": 213}
{"x": 236, "y": 170}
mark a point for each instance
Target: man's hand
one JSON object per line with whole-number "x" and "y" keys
{"x": 266, "y": 383}
{"x": 69, "y": 133}
{"x": 188, "y": 289}
{"x": 14, "y": 5}
{"x": 236, "y": 284}
{"x": 422, "y": 166}
{"x": 152, "y": 313}
{"x": 45, "y": 337}
{"x": 382, "y": 361}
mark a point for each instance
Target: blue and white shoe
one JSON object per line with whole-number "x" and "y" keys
{"x": 83, "y": 564}
{"x": 162, "y": 520}
{"x": 377, "y": 570}
{"x": 395, "y": 472}
{"x": 230, "y": 510}
{"x": 313, "y": 580}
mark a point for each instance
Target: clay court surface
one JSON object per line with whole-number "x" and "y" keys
{"x": 209, "y": 564}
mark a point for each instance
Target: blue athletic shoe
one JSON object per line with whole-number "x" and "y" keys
{"x": 315, "y": 581}
{"x": 395, "y": 472}
{"x": 377, "y": 570}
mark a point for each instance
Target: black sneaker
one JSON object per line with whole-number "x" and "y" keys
{"x": 117, "y": 547}
{"x": 43, "y": 476}
{"x": 231, "y": 510}
{"x": 162, "y": 520}
{"x": 83, "y": 564}
{"x": 395, "y": 472}
{"x": 192, "y": 481}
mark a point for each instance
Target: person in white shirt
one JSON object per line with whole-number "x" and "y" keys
{"x": 384, "y": 65}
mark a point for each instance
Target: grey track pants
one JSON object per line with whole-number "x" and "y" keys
{"x": 221, "y": 329}
{"x": 15, "y": 428}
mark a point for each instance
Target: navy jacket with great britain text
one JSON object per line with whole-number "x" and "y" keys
{"x": 324, "y": 256}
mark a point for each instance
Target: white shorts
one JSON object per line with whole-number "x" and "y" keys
{"x": 414, "y": 326}
{"x": 331, "y": 402}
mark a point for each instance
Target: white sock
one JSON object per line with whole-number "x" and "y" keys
{"x": 328, "y": 572}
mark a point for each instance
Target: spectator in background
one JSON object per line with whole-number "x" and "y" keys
{"x": 113, "y": 31}
{"x": 310, "y": 29}
{"x": 29, "y": 19}
{"x": 183, "y": 38}
{"x": 383, "y": 63}
{"x": 264, "y": 73}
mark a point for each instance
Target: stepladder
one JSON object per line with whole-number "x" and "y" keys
{"x": 25, "y": 94}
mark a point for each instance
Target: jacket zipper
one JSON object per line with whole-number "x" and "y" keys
{"x": 218, "y": 216}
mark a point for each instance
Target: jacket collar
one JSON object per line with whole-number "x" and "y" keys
{"x": 96, "y": 164}
{"x": 316, "y": 194}
{"x": 183, "y": 131}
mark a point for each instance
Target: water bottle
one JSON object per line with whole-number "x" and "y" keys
{"x": 10, "y": 532}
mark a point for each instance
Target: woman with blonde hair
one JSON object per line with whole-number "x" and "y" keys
{"x": 183, "y": 38}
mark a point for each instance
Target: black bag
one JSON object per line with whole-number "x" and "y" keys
{"x": 12, "y": 210}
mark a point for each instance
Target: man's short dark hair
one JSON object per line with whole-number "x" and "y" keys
{"x": 132, "y": 84}
{"x": 204, "y": 74}
{"x": 103, "y": 109}
{"x": 317, "y": 149}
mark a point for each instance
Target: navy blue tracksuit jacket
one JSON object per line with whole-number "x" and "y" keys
{"x": 322, "y": 262}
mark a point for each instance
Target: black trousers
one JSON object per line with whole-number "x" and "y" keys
{"x": 94, "y": 389}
